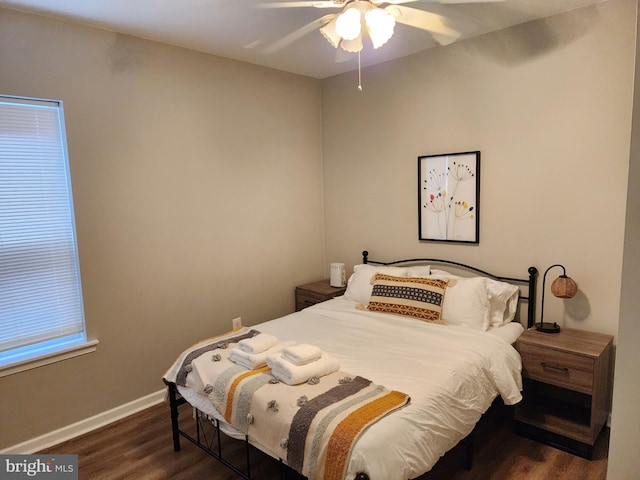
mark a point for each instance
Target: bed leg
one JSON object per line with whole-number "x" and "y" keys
{"x": 247, "y": 453}
{"x": 469, "y": 452}
{"x": 173, "y": 405}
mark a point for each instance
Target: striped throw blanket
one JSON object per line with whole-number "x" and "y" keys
{"x": 313, "y": 426}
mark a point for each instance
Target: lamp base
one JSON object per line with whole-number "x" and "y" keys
{"x": 548, "y": 327}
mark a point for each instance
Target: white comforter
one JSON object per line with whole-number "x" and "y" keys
{"x": 451, "y": 373}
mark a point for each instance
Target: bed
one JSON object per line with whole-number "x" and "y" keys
{"x": 425, "y": 376}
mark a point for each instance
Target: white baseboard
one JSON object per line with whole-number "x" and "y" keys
{"x": 83, "y": 426}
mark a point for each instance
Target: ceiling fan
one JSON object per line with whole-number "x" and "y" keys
{"x": 345, "y": 28}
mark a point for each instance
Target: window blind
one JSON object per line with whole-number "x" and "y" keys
{"x": 40, "y": 290}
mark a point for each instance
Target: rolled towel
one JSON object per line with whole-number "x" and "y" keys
{"x": 302, "y": 353}
{"x": 291, "y": 374}
{"x": 256, "y": 360}
{"x": 257, "y": 344}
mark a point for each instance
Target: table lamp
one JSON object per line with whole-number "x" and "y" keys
{"x": 562, "y": 287}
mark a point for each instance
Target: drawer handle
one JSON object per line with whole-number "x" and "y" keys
{"x": 554, "y": 367}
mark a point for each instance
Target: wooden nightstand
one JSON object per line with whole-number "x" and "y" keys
{"x": 316, "y": 292}
{"x": 567, "y": 387}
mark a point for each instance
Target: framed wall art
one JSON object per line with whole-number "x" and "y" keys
{"x": 449, "y": 196}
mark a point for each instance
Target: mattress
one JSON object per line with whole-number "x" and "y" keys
{"x": 452, "y": 374}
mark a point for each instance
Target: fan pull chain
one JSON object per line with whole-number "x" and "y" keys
{"x": 359, "y": 74}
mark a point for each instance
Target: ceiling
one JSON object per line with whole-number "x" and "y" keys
{"x": 241, "y": 30}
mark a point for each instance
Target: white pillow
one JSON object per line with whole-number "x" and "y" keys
{"x": 359, "y": 286}
{"x": 502, "y": 300}
{"x": 466, "y": 303}
{"x": 418, "y": 271}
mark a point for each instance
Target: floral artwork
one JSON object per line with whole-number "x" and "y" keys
{"x": 449, "y": 194}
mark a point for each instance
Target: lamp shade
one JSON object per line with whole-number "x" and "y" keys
{"x": 564, "y": 287}
{"x": 352, "y": 46}
{"x": 348, "y": 23}
{"x": 380, "y": 26}
{"x": 329, "y": 32}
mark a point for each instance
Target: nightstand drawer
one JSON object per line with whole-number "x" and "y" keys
{"x": 563, "y": 369}
{"x": 306, "y": 299}
{"x": 316, "y": 292}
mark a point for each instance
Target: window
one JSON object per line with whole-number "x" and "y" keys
{"x": 41, "y": 309}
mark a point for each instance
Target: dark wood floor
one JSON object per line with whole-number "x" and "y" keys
{"x": 140, "y": 447}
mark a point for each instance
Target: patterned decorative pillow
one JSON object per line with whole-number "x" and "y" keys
{"x": 414, "y": 297}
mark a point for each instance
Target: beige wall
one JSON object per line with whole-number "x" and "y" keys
{"x": 195, "y": 166}
{"x": 198, "y": 194}
{"x": 547, "y": 103}
{"x": 624, "y": 461}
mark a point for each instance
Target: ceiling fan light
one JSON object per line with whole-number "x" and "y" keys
{"x": 380, "y": 25}
{"x": 348, "y": 24}
{"x": 330, "y": 33}
{"x": 352, "y": 46}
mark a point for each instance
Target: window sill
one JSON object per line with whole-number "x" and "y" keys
{"x": 75, "y": 351}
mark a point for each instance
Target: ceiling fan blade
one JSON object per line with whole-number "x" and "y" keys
{"x": 431, "y": 22}
{"x": 443, "y": 39}
{"x": 465, "y": 1}
{"x": 444, "y": 2}
{"x": 299, "y": 33}
{"x": 395, "y": 2}
{"x": 309, "y": 3}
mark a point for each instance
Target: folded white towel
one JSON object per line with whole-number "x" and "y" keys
{"x": 256, "y": 360}
{"x": 301, "y": 354}
{"x": 257, "y": 344}
{"x": 292, "y": 374}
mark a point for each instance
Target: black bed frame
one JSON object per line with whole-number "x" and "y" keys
{"x": 208, "y": 432}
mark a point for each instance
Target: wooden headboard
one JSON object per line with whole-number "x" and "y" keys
{"x": 529, "y": 283}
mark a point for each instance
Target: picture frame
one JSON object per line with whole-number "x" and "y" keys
{"x": 449, "y": 197}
